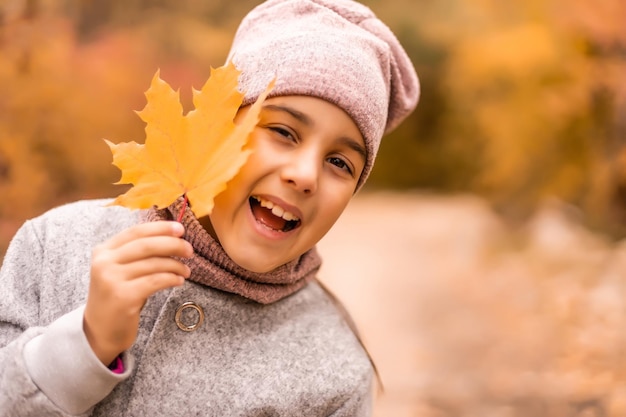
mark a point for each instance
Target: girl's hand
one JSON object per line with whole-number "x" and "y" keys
{"x": 125, "y": 271}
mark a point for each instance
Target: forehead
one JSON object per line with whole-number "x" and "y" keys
{"x": 312, "y": 111}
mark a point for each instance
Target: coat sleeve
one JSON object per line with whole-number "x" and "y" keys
{"x": 46, "y": 369}
{"x": 359, "y": 403}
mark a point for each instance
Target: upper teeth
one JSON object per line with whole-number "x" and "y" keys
{"x": 276, "y": 210}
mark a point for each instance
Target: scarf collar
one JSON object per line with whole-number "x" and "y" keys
{"x": 211, "y": 266}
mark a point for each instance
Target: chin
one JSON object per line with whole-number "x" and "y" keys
{"x": 261, "y": 263}
{"x": 257, "y": 267}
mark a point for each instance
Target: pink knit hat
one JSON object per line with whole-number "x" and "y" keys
{"x": 337, "y": 50}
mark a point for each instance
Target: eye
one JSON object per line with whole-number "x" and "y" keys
{"x": 282, "y": 131}
{"x": 341, "y": 164}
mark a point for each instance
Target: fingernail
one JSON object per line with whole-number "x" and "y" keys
{"x": 177, "y": 227}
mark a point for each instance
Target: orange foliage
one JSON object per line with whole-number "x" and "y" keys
{"x": 55, "y": 92}
{"x": 194, "y": 154}
{"x": 533, "y": 94}
{"x": 536, "y": 92}
{"x": 60, "y": 96}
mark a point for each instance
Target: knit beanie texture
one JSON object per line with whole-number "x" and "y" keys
{"x": 337, "y": 50}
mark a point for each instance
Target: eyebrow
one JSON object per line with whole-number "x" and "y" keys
{"x": 355, "y": 146}
{"x": 290, "y": 110}
{"x": 303, "y": 118}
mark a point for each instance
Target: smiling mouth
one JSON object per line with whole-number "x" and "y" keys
{"x": 272, "y": 215}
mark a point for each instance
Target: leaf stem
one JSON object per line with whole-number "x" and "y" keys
{"x": 183, "y": 208}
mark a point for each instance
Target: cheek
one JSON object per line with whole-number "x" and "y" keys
{"x": 238, "y": 187}
{"x": 332, "y": 208}
{"x": 229, "y": 201}
{"x": 254, "y": 165}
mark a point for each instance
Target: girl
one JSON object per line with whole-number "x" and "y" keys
{"x": 106, "y": 311}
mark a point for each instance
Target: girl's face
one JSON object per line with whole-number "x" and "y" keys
{"x": 307, "y": 157}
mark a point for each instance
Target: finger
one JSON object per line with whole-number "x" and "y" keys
{"x": 151, "y": 266}
{"x": 157, "y": 228}
{"x": 152, "y": 246}
{"x": 147, "y": 285}
{"x": 148, "y": 247}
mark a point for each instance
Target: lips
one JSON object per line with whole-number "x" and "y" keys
{"x": 273, "y": 215}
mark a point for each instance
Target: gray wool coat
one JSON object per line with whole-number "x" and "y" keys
{"x": 294, "y": 357}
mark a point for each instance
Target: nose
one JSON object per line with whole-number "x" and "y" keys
{"x": 301, "y": 171}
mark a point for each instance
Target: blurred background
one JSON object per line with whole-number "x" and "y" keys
{"x": 483, "y": 261}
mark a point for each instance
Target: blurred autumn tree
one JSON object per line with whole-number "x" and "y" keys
{"x": 71, "y": 74}
{"x": 520, "y": 100}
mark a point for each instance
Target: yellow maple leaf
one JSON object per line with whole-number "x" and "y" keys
{"x": 194, "y": 154}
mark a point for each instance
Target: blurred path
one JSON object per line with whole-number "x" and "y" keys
{"x": 381, "y": 253}
{"x": 466, "y": 317}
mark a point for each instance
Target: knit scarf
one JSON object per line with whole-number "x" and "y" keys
{"x": 211, "y": 266}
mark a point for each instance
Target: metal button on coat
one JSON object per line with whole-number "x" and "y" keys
{"x": 189, "y": 316}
